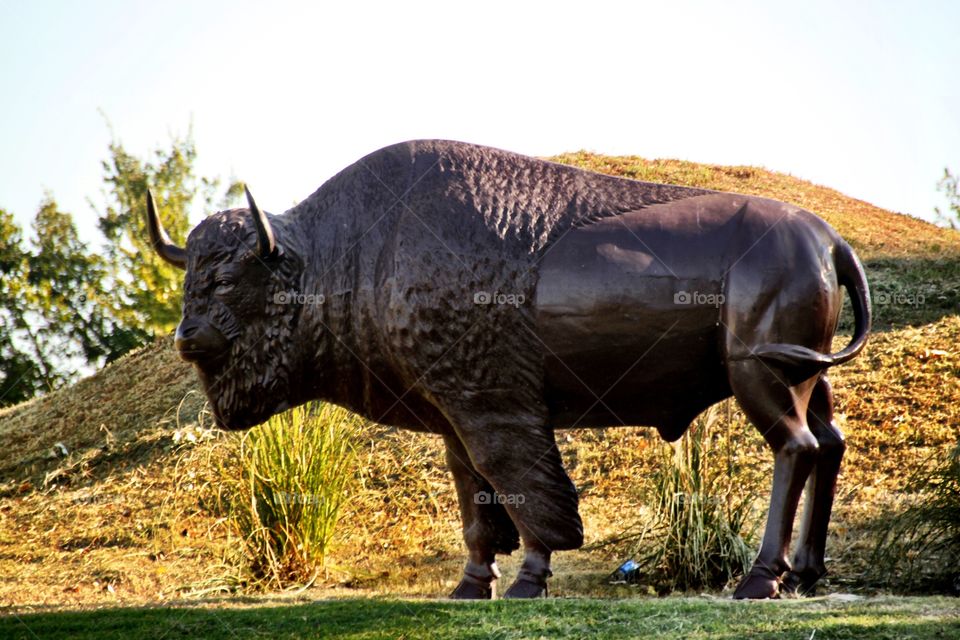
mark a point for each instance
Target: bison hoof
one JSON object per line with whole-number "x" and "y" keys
{"x": 471, "y": 589}
{"x": 800, "y": 583}
{"x": 527, "y": 588}
{"x": 759, "y": 584}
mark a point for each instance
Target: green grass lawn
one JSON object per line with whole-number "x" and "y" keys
{"x": 819, "y": 619}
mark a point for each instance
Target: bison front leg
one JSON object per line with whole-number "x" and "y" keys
{"x": 518, "y": 456}
{"x": 487, "y": 528}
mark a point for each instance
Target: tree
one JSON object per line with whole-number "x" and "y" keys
{"x": 949, "y": 185}
{"x": 146, "y": 290}
{"x": 52, "y": 321}
{"x": 67, "y": 282}
{"x": 21, "y": 376}
{"x": 63, "y": 306}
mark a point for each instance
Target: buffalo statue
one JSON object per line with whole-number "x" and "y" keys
{"x": 492, "y": 298}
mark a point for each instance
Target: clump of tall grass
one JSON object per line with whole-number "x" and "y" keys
{"x": 284, "y": 491}
{"x": 704, "y": 516}
{"x": 920, "y": 547}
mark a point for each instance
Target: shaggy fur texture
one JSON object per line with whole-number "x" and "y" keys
{"x": 404, "y": 241}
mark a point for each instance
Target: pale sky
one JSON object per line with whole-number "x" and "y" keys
{"x": 860, "y": 96}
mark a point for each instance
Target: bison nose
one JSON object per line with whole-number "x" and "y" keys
{"x": 196, "y": 340}
{"x": 186, "y": 330}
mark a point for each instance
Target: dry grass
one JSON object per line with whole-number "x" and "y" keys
{"x": 872, "y": 231}
{"x": 126, "y": 515}
{"x": 141, "y": 393}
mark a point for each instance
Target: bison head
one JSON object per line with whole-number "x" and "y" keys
{"x": 236, "y": 327}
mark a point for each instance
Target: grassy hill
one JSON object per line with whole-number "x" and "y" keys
{"x": 104, "y": 486}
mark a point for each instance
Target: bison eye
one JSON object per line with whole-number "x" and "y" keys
{"x": 223, "y": 284}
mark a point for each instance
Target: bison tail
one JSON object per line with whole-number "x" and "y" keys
{"x": 801, "y": 363}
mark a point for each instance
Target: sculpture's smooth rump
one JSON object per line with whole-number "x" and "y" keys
{"x": 492, "y": 298}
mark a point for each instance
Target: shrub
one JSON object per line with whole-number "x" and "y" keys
{"x": 291, "y": 477}
{"x": 703, "y": 512}
{"x": 920, "y": 547}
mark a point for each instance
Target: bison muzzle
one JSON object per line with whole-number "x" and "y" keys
{"x": 493, "y": 298}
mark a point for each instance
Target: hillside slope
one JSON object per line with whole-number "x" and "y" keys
{"x": 148, "y": 389}
{"x": 874, "y": 232}
{"x": 124, "y": 508}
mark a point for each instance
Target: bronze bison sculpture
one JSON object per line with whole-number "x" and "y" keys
{"x": 492, "y": 298}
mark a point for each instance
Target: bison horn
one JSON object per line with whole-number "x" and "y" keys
{"x": 161, "y": 242}
{"x": 266, "y": 243}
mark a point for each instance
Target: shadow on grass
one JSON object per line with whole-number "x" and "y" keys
{"x": 911, "y": 291}
{"x": 661, "y": 618}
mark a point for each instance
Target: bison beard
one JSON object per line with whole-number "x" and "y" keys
{"x": 493, "y": 298}
{"x": 251, "y": 383}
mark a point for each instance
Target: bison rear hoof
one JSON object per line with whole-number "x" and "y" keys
{"x": 800, "y": 583}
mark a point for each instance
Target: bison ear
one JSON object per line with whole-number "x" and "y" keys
{"x": 267, "y": 248}
{"x": 161, "y": 242}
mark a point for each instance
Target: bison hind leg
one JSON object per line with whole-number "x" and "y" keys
{"x": 779, "y": 411}
{"x": 809, "y": 557}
